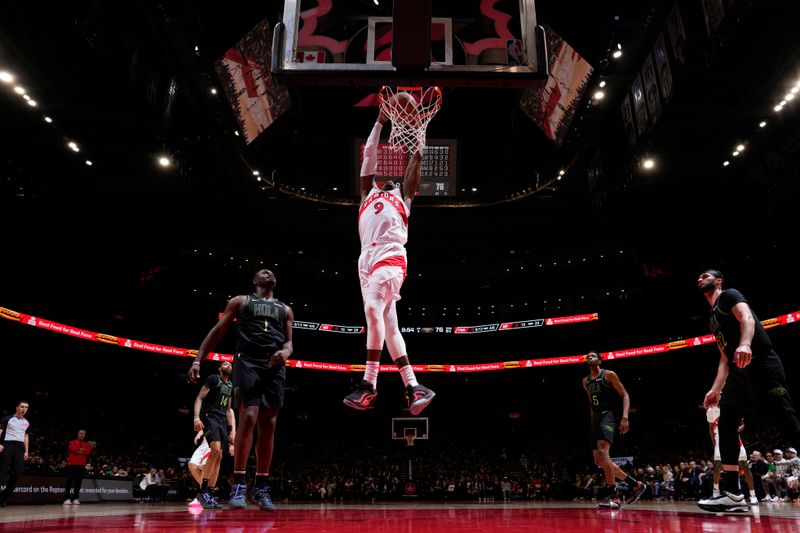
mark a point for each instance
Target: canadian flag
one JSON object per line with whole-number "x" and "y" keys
{"x": 310, "y": 56}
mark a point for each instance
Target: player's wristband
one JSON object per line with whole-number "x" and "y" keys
{"x": 195, "y": 363}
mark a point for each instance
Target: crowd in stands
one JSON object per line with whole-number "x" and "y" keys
{"x": 430, "y": 471}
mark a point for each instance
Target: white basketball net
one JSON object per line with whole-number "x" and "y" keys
{"x": 409, "y": 125}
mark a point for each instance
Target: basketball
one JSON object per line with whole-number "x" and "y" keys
{"x": 404, "y": 104}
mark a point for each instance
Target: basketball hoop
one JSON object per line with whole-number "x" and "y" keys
{"x": 410, "y": 109}
{"x": 410, "y": 434}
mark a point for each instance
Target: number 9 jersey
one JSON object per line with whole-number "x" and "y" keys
{"x": 383, "y": 228}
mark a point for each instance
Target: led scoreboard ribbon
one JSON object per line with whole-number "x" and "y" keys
{"x": 485, "y": 328}
{"x": 30, "y": 320}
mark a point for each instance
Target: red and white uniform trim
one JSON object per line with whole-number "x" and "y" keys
{"x": 383, "y": 228}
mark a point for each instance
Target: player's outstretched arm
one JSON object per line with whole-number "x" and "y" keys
{"x": 216, "y": 334}
{"x": 412, "y": 177}
{"x": 369, "y": 164}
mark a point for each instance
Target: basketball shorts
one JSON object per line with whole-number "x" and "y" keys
{"x": 200, "y": 455}
{"x": 215, "y": 428}
{"x": 384, "y": 282}
{"x": 605, "y": 424}
{"x": 256, "y": 382}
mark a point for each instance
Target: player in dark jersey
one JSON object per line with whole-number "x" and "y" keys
{"x": 213, "y": 414}
{"x": 263, "y": 344}
{"x": 747, "y": 365}
{"x": 604, "y": 389}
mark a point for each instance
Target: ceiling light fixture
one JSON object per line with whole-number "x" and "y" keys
{"x": 89, "y": 163}
{"x": 48, "y": 120}
{"x": 740, "y": 148}
{"x": 19, "y": 90}
{"x": 32, "y": 103}
{"x": 617, "y": 54}
{"x": 762, "y": 124}
{"x": 73, "y": 146}
{"x": 164, "y": 161}
{"x": 602, "y": 84}
{"x": 726, "y": 163}
{"x": 735, "y": 153}
{"x": 599, "y": 95}
{"x": 649, "y": 163}
{"x": 6, "y": 77}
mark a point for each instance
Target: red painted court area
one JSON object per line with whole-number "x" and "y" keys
{"x": 414, "y": 518}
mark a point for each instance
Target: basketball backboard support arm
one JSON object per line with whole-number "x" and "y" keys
{"x": 287, "y": 70}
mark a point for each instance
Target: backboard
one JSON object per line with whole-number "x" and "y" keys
{"x": 410, "y": 429}
{"x": 481, "y": 43}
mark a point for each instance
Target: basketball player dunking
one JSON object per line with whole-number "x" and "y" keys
{"x": 383, "y": 227}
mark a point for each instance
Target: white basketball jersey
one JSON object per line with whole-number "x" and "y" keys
{"x": 383, "y": 225}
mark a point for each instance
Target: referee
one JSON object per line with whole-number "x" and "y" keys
{"x": 14, "y": 448}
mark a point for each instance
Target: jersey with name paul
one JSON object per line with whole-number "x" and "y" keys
{"x": 218, "y": 399}
{"x": 261, "y": 327}
{"x": 602, "y": 395}
{"x": 727, "y": 330}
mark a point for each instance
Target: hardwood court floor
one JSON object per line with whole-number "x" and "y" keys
{"x": 401, "y": 518}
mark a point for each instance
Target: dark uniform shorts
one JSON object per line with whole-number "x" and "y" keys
{"x": 215, "y": 428}
{"x": 604, "y": 426}
{"x": 256, "y": 382}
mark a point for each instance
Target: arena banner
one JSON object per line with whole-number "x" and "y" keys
{"x": 552, "y": 106}
{"x": 662, "y": 67}
{"x": 626, "y": 353}
{"x": 246, "y": 76}
{"x": 48, "y": 488}
{"x": 651, "y": 90}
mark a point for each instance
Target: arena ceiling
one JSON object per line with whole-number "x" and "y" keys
{"x": 104, "y": 72}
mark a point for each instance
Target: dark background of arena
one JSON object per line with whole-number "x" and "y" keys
{"x": 126, "y": 248}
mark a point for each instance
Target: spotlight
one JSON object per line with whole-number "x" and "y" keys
{"x": 617, "y": 54}
{"x": 602, "y": 84}
{"x": 89, "y": 163}
{"x": 256, "y": 173}
{"x": 740, "y": 148}
{"x": 213, "y": 91}
{"x": 48, "y": 120}
{"x": 762, "y": 124}
{"x": 164, "y": 161}
{"x": 735, "y": 153}
{"x": 789, "y": 97}
{"x": 6, "y": 77}
{"x": 778, "y": 108}
{"x": 726, "y": 163}
{"x": 19, "y": 90}
{"x": 599, "y": 95}
{"x": 561, "y": 172}
{"x": 649, "y": 163}
{"x": 32, "y": 103}
{"x": 73, "y": 146}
